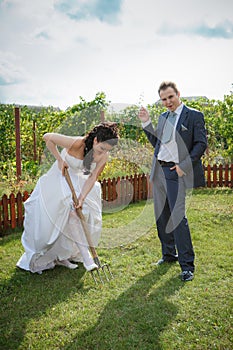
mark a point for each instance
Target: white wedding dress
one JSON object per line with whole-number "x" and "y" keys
{"x": 52, "y": 230}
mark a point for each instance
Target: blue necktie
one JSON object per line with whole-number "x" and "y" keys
{"x": 168, "y": 127}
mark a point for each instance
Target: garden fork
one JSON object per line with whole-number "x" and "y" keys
{"x": 105, "y": 268}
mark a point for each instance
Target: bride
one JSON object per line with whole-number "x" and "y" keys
{"x": 53, "y": 233}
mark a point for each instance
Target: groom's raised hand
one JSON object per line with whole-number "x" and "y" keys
{"x": 143, "y": 115}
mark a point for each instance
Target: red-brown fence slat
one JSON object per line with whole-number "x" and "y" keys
{"x": 103, "y": 183}
{"x": 144, "y": 186}
{"x": 12, "y": 211}
{"x": 208, "y": 175}
{"x": 1, "y": 223}
{"x": 109, "y": 190}
{"x": 220, "y": 172}
{"x": 215, "y": 175}
{"x": 135, "y": 197}
{"x": 139, "y": 187}
{"x": 114, "y": 194}
{"x": 226, "y": 175}
{"x": 231, "y": 184}
{"x": 127, "y": 190}
{"x": 120, "y": 190}
{"x": 19, "y": 201}
{"x": 25, "y": 196}
{"x": 131, "y": 188}
{"x": 5, "y": 212}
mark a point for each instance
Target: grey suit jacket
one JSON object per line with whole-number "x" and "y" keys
{"x": 191, "y": 141}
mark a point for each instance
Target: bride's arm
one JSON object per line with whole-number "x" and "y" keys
{"x": 92, "y": 178}
{"x": 53, "y": 140}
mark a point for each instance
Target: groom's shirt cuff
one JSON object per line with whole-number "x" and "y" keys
{"x": 144, "y": 125}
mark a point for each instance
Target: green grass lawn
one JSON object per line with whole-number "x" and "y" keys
{"x": 144, "y": 306}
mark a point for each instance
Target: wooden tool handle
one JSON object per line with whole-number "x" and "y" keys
{"x": 80, "y": 215}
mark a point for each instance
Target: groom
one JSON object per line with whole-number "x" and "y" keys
{"x": 179, "y": 141}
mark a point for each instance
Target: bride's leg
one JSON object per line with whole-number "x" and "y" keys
{"x": 79, "y": 238}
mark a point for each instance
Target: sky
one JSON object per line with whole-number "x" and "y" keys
{"x": 54, "y": 51}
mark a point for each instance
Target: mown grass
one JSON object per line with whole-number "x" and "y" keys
{"x": 143, "y": 307}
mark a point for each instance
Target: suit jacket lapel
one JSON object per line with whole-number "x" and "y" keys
{"x": 182, "y": 118}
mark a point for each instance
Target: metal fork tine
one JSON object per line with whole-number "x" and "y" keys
{"x": 99, "y": 271}
{"x": 93, "y": 273}
{"x": 105, "y": 273}
{"x": 110, "y": 273}
{"x": 99, "y": 275}
{"x": 93, "y": 276}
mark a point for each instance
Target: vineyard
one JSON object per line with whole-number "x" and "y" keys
{"x": 133, "y": 155}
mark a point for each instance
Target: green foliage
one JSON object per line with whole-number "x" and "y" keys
{"x": 83, "y": 116}
{"x": 219, "y": 125}
{"x": 76, "y": 120}
{"x": 46, "y": 119}
{"x": 80, "y": 118}
{"x": 218, "y": 118}
{"x": 129, "y": 124}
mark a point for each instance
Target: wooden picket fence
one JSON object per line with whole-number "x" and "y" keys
{"x": 115, "y": 192}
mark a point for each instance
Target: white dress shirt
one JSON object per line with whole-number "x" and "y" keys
{"x": 168, "y": 152}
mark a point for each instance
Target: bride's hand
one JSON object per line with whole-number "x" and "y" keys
{"x": 80, "y": 202}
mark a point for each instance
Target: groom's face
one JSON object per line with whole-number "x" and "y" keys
{"x": 170, "y": 98}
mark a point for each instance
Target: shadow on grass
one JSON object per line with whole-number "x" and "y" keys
{"x": 28, "y": 296}
{"x": 136, "y": 318}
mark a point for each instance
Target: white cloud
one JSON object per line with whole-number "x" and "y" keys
{"x": 55, "y": 58}
{"x": 103, "y": 10}
{"x": 11, "y": 70}
{"x": 222, "y": 30}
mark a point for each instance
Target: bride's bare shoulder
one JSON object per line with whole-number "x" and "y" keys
{"x": 78, "y": 142}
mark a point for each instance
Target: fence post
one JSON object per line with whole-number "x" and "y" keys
{"x": 17, "y": 139}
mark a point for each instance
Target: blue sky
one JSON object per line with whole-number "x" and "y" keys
{"x": 53, "y": 51}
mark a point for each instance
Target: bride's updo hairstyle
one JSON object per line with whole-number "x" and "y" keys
{"x": 104, "y": 132}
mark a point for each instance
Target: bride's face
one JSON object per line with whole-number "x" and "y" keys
{"x": 100, "y": 148}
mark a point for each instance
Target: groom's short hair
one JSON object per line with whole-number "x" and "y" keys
{"x": 165, "y": 84}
